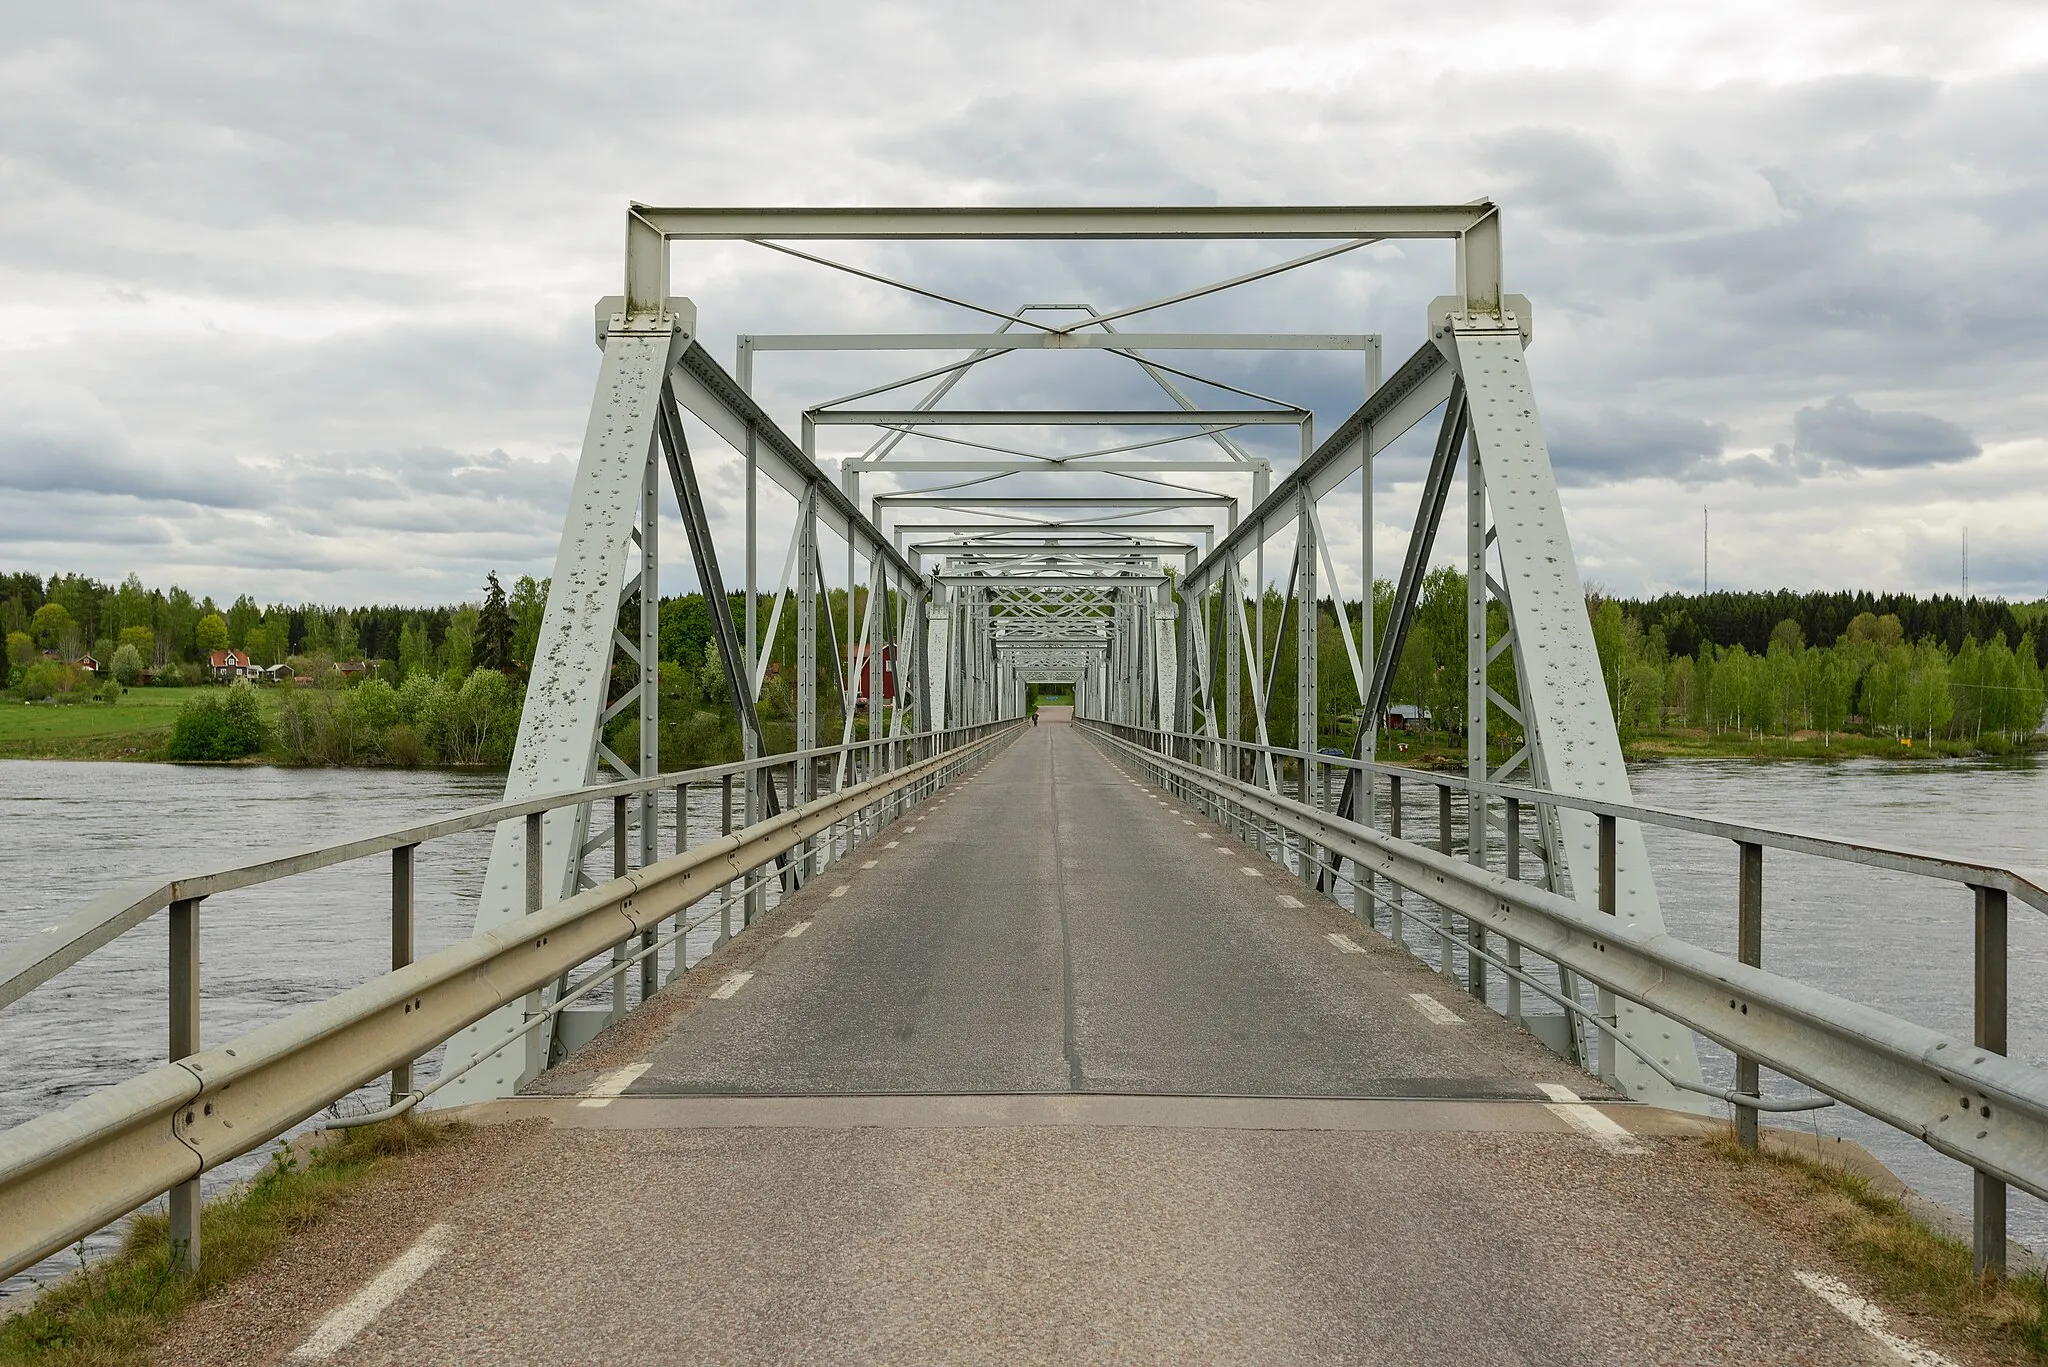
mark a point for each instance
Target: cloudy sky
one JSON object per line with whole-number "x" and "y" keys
{"x": 296, "y": 300}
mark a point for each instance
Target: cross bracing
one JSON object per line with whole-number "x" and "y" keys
{"x": 991, "y": 532}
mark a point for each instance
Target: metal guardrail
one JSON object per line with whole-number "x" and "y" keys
{"x": 72, "y": 1171}
{"x": 30, "y": 963}
{"x": 1963, "y": 1099}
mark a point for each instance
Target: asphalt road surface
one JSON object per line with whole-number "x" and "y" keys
{"x": 1066, "y": 1076}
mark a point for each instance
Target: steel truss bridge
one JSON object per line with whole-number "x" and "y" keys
{"x": 993, "y": 543}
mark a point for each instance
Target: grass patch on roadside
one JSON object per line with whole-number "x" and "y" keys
{"x": 113, "y": 1313}
{"x": 1918, "y": 1270}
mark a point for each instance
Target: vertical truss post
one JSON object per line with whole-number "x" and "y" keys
{"x": 807, "y": 637}
{"x": 562, "y": 724}
{"x": 649, "y": 803}
{"x": 1574, "y": 747}
{"x": 1307, "y": 710}
{"x": 1477, "y": 830}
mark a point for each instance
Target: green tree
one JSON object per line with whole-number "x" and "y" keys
{"x": 529, "y": 606}
{"x": 210, "y": 633}
{"x": 21, "y": 649}
{"x": 1929, "y": 705}
{"x": 142, "y": 638}
{"x": 1834, "y": 681}
{"x": 414, "y": 653}
{"x": 127, "y": 665}
{"x": 459, "y": 645}
{"x": 494, "y": 627}
{"x": 51, "y": 624}
{"x": 2030, "y": 694}
{"x": 1680, "y": 687}
{"x": 347, "y": 640}
{"x": 219, "y": 725}
{"x": 243, "y": 618}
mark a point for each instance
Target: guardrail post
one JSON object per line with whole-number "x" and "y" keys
{"x": 1513, "y": 832}
{"x": 533, "y": 862}
{"x": 1987, "y": 1214}
{"x": 1396, "y": 930}
{"x": 401, "y": 944}
{"x": 1603, "y": 1000}
{"x": 1749, "y": 948}
{"x": 619, "y": 951}
{"x": 184, "y": 1042}
{"x": 1446, "y": 942}
{"x": 683, "y": 916}
{"x": 725, "y": 828}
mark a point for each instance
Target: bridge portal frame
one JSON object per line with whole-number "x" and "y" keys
{"x": 1159, "y": 667}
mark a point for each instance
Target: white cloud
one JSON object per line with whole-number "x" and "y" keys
{"x": 297, "y": 300}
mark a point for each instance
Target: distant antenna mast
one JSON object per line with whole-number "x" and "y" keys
{"x": 1703, "y": 552}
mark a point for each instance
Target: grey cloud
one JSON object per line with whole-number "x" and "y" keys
{"x": 62, "y": 439}
{"x": 1844, "y": 432}
{"x": 1613, "y": 445}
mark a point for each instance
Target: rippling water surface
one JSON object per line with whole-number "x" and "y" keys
{"x": 70, "y": 831}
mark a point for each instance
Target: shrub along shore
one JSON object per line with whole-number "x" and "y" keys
{"x": 127, "y": 672}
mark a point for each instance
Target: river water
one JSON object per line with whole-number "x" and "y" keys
{"x": 69, "y": 831}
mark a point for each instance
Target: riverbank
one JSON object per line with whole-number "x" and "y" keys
{"x": 1436, "y": 750}
{"x": 137, "y": 727}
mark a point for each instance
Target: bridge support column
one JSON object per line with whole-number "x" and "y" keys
{"x": 561, "y": 729}
{"x": 1572, "y": 743}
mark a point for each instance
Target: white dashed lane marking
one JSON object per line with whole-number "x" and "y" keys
{"x": 1345, "y": 944}
{"x": 599, "y": 1094}
{"x": 1566, "y": 1105}
{"x": 335, "y": 1332}
{"x": 1434, "y": 1009}
{"x": 1287, "y": 901}
{"x": 892, "y": 844}
{"x": 1251, "y": 873}
{"x": 724, "y": 991}
{"x": 1869, "y": 1319}
{"x": 839, "y": 891}
{"x": 870, "y": 863}
{"x": 799, "y": 928}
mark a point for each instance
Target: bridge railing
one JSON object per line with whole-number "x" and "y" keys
{"x": 69, "y": 1172}
{"x": 1962, "y": 1098}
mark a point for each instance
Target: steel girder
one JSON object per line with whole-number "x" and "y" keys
{"x": 561, "y": 727}
{"x": 1069, "y": 595}
{"x": 1569, "y": 726}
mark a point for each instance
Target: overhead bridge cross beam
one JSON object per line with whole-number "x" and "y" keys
{"x": 1145, "y": 564}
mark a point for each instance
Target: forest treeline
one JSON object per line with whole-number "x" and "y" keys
{"x": 384, "y": 684}
{"x": 1944, "y": 670}
{"x": 446, "y": 684}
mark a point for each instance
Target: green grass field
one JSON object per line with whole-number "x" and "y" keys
{"x": 136, "y": 727}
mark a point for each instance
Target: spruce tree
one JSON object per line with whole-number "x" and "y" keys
{"x": 494, "y": 627}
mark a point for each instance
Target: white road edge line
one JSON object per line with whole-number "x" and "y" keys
{"x": 799, "y": 928}
{"x": 1345, "y": 944}
{"x": 599, "y": 1094}
{"x": 1434, "y": 1009}
{"x": 839, "y": 891}
{"x": 724, "y": 991}
{"x": 341, "y": 1326}
{"x": 1869, "y": 1319}
{"x": 1567, "y": 1106}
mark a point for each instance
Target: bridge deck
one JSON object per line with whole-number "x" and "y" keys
{"x": 1008, "y": 1097}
